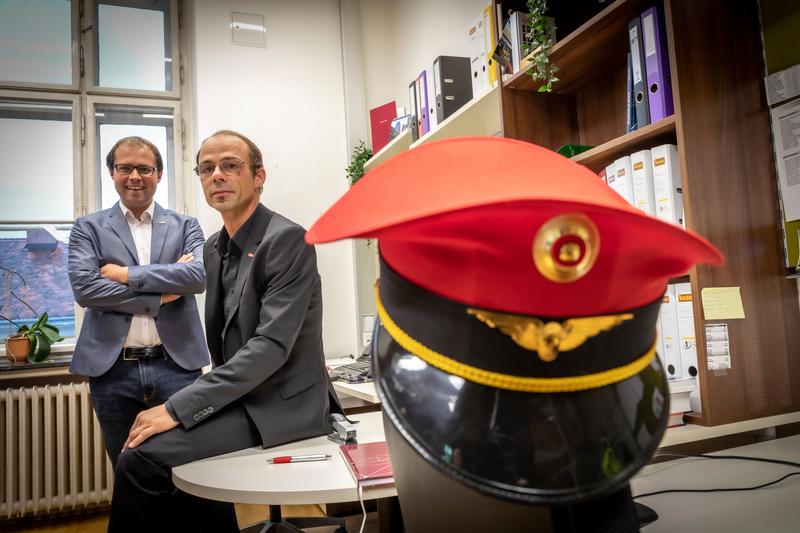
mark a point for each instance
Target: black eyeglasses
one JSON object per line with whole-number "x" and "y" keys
{"x": 143, "y": 170}
{"x": 231, "y": 167}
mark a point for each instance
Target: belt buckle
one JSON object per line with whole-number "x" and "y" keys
{"x": 126, "y": 357}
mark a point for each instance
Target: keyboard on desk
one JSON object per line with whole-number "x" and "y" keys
{"x": 355, "y": 372}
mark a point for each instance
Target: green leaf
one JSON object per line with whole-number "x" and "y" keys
{"x": 360, "y": 155}
{"x": 36, "y": 325}
{"x": 40, "y": 348}
{"x": 52, "y": 334}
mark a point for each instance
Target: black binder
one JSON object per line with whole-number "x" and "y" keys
{"x": 452, "y": 83}
{"x": 412, "y": 104}
{"x": 640, "y": 95}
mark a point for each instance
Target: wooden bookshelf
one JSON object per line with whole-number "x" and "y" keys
{"x": 721, "y": 129}
{"x": 599, "y": 157}
{"x": 576, "y": 54}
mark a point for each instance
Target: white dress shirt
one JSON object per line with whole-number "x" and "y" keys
{"x": 143, "y": 327}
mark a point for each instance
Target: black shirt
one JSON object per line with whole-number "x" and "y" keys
{"x": 230, "y": 250}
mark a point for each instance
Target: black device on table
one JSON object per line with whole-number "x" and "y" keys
{"x": 359, "y": 371}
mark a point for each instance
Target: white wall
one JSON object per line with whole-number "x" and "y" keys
{"x": 402, "y": 37}
{"x": 288, "y": 98}
{"x": 395, "y": 40}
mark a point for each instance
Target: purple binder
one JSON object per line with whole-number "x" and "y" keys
{"x": 656, "y": 63}
{"x": 425, "y": 123}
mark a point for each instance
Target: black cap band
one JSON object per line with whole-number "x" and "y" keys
{"x": 516, "y": 352}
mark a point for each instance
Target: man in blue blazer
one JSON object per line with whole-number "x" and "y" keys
{"x": 136, "y": 267}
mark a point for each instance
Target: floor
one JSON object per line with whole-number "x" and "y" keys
{"x": 247, "y": 514}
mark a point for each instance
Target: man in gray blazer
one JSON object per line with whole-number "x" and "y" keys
{"x": 136, "y": 267}
{"x": 269, "y": 384}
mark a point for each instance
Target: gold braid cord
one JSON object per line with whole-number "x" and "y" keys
{"x": 508, "y": 381}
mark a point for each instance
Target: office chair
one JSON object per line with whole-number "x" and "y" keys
{"x": 295, "y": 524}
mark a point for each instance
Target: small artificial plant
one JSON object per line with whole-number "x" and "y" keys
{"x": 539, "y": 40}
{"x": 40, "y": 334}
{"x": 359, "y": 156}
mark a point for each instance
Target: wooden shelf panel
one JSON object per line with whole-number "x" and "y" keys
{"x": 651, "y": 135}
{"x": 479, "y": 116}
{"x": 583, "y": 54}
{"x": 395, "y": 146}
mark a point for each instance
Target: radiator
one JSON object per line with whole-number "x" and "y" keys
{"x": 53, "y": 458}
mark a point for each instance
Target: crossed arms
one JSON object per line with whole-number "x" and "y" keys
{"x": 135, "y": 290}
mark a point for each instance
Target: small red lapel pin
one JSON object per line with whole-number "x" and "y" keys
{"x": 250, "y": 254}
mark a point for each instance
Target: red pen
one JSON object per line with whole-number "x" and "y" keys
{"x": 299, "y": 458}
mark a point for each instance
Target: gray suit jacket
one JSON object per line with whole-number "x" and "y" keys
{"x": 105, "y": 237}
{"x": 278, "y": 371}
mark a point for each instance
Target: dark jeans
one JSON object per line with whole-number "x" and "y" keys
{"x": 146, "y": 500}
{"x": 130, "y": 387}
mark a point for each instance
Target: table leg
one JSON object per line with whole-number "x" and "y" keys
{"x": 390, "y": 519}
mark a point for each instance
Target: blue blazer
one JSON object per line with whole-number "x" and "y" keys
{"x": 105, "y": 237}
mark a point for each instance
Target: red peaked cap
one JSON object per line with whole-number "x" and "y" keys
{"x": 459, "y": 218}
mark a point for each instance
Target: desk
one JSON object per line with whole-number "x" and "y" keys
{"x": 246, "y": 477}
{"x": 363, "y": 391}
{"x": 774, "y": 509}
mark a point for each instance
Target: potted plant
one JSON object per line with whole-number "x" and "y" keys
{"x": 540, "y": 39}
{"x": 355, "y": 170}
{"x": 359, "y": 156}
{"x": 32, "y": 342}
{"x": 29, "y": 342}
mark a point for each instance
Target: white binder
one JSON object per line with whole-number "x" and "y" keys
{"x": 667, "y": 183}
{"x": 688, "y": 341}
{"x": 623, "y": 183}
{"x": 479, "y": 72}
{"x": 643, "y": 192}
{"x": 668, "y": 320}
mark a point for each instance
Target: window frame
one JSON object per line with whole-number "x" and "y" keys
{"x": 90, "y": 43}
{"x": 93, "y": 196}
{"x": 77, "y": 182}
{"x": 74, "y": 86}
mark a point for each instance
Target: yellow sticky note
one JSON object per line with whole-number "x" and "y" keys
{"x": 722, "y": 303}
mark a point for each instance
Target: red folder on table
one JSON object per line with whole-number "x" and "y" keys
{"x": 656, "y": 61}
{"x": 380, "y": 121}
{"x": 369, "y": 463}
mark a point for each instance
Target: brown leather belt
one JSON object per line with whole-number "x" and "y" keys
{"x": 138, "y": 353}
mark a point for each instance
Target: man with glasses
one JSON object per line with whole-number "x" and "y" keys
{"x": 263, "y": 317}
{"x": 136, "y": 267}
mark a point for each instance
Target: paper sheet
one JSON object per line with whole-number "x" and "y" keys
{"x": 786, "y": 133}
{"x": 718, "y": 353}
{"x": 722, "y": 303}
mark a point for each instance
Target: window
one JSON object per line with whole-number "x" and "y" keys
{"x": 112, "y": 122}
{"x": 149, "y": 65}
{"x": 66, "y": 97}
{"x": 36, "y": 42}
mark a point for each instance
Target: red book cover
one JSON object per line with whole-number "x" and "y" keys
{"x": 380, "y": 121}
{"x": 369, "y": 463}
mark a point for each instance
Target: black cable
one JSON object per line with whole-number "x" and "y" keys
{"x": 743, "y": 457}
{"x": 731, "y": 489}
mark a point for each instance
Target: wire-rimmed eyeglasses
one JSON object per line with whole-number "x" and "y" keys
{"x": 230, "y": 167}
